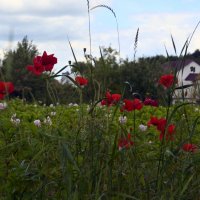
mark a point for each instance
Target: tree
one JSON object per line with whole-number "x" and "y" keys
{"x": 14, "y": 70}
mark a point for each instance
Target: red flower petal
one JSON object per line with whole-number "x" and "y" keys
{"x": 167, "y": 80}
{"x": 190, "y": 147}
{"x": 2, "y": 96}
{"x": 81, "y": 80}
{"x": 111, "y": 99}
{"x": 6, "y": 87}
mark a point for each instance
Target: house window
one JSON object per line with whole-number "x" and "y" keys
{"x": 192, "y": 69}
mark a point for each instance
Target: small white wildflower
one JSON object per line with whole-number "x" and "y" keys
{"x": 75, "y": 105}
{"x": 35, "y": 105}
{"x": 88, "y": 108}
{"x": 51, "y": 105}
{"x": 77, "y": 110}
{"x": 14, "y": 120}
{"x": 53, "y": 113}
{"x": 120, "y": 148}
{"x": 70, "y": 104}
{"x": 17, "y": 121}
{"x": 108, "y": 115}
{"x": 14, "y": 115}
{"x": 122, "y": 119}
{"x": 44, "y": 104}
{"x": 37, "y": 122}
{"x": 99, "y": 105}
{"x": 48, "y": 121}
{"x": 150, "y": 142}
{"x": 142, "y": 127}
{"x": 3, "y": 106}
{"x": 57, "y": 103}
{"x": 196, "y": 109}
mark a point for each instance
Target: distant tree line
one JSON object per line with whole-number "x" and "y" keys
{"x": 132, "y": 78}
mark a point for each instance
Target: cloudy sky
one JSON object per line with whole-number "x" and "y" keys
{"x": 48, "y": 23}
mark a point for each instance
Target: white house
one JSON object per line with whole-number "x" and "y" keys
{"x": 188, "y": 73}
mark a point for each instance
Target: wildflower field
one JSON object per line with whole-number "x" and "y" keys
{"x": 112, "y": 146}
{"x": 115, "y": 149}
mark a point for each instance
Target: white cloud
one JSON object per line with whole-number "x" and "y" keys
{"x": 155, "y": 31}
{"x": 44, "y": 23}
{"x": 44, "y": 7}
{"x": 48, "y": 26}
{"x": 48, "y": 7}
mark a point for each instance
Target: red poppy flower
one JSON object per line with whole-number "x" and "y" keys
{"x": 111, "y": 99}
{"x": 167, "y": 80}
{"x": 190, "y": 147}
{"x": 37, "y": 68}
{"x": 153, "y": 121}
{"x": 42, "y": 63}
{"x": 161, "y": 126}
{"x": 125, "y": 142}
{"x": 116, "y": 97}
{"x": 5, "y": 87}
{"x": 81, "y": 80}
{"x": 137, "y": 104}
{"x": 171, "y": 129}
{"x": 2, "y": 96}
{"x": 130, "y": 105}
{"x": 48, "y": 61}
{"x": 169, "y": 135}
{"x": 150, "y": 102}
{"x": 159, "y": 123}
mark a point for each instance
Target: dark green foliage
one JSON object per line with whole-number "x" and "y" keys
{"x": 77, "y": 157}
{"x": 29, "y": 86}
{"x": 14, "y": 70}
{"x": 104, "y": 73}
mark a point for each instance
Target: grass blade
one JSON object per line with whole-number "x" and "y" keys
{"x": 107, "y": 7}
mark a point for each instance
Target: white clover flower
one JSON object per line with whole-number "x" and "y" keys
{"x": 17, "y": 121}
{"x": 99, "y": 105}
{"x": 48, "y": 121}
{"x": 53, "y": 113}
{"x": 3, "y": 106}
{"x": 14, "y": 120}
{"x": 14, "y": 115}
{"x": 142, "y": 127}
{"x": 122, "y": 119}
{"x": 88, "y": 108}
{"x": 108, "y": 115}
{"x": 37, "y": 123}
{"x": 120, "y": 148}
{"x": 51, "y": 105}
